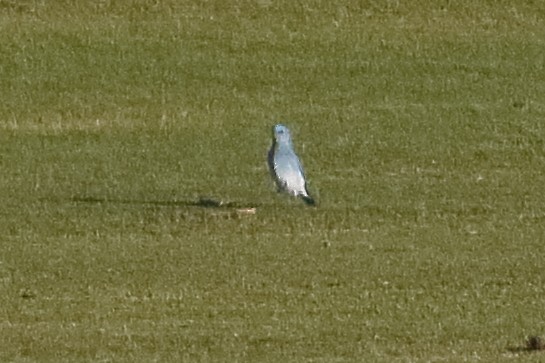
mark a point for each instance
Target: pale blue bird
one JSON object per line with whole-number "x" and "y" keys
{"x": 285, "y": 166}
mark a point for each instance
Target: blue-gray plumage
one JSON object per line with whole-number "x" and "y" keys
{"x": 285, "y": 166}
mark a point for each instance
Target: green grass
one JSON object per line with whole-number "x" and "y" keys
{"x": 420, "y": 125}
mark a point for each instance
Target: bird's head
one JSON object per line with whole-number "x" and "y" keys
{"x": 281, "y": 134}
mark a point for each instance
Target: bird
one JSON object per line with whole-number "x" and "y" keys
{"x": 285, "y": 166}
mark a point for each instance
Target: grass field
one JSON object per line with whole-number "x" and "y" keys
{"x": 421, "y": 126}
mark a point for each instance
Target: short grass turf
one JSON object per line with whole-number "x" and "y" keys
{"x": 132, "y": 134}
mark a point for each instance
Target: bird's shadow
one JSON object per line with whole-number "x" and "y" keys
{"x": 201, "y": 202}
{"x": 534, "y": 343}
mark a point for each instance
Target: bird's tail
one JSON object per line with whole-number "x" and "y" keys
{"x": 308, "y": 200}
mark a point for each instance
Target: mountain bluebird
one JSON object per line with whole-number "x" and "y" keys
{"x": 285, "y": 166}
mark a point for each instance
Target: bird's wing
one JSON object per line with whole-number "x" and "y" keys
{"x": 270, "y": 160}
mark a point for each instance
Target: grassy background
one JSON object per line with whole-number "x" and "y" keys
{"x": 420, "y": 125}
